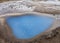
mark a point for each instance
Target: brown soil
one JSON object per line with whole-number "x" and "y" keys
{"x": 3, "y": 0}
{"x": 54, "y": 39}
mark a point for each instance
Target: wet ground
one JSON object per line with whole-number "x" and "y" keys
{"x": 53, "y": 39}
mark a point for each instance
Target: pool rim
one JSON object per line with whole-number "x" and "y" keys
{"x": 17, "y": 14}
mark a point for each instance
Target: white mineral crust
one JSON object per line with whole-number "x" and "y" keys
{"x": 16, "y": 7}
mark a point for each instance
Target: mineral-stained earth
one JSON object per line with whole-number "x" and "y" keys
{"x": 53, "y": 39}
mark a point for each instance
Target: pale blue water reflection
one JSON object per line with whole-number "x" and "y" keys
{"x": 28, "y": 26}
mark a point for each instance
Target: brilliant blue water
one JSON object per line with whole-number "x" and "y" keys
{"x": 28, "y": 26}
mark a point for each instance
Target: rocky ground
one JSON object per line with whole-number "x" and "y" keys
{"x": 53, "y": 39}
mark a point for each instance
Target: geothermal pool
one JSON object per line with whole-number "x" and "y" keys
{"x": 28, "y": 26}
